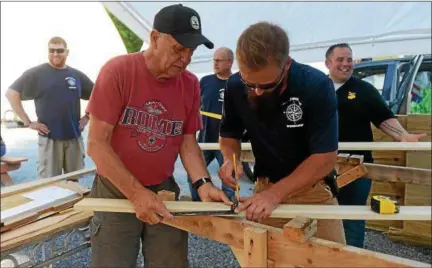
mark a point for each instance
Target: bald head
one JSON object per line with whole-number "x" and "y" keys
{"x": 222, "y": 62}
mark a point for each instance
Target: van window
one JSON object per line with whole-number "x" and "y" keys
{"x": 422, "y": 90}
{"x": 374, "y": 75}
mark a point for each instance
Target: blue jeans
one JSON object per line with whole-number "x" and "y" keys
{"x": 355, "y": 194}
{"x": 3, "y": 150}
{"x": 209, "y": 156}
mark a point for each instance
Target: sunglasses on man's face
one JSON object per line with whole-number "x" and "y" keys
{"x": 269, "y": 86}
{"x": 58, "y": 50}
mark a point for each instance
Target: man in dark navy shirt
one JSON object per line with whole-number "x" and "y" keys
{"x": 290, "y": 112}
{"x": 359, "y": 105}
{"x": 212, "y": 94}
{"x": 56, "y": 90}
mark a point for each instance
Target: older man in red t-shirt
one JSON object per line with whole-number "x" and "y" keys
{"x": 144, "y": 111}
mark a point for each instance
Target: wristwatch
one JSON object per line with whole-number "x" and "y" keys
{"x": 200, "y": 182}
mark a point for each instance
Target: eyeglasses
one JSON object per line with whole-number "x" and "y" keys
{"x": 269, "y": 86}
{"x": 58, "y": 50}
{"x": 219, "y": 60}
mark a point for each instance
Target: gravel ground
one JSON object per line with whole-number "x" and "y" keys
{"x": 202, "y": 252}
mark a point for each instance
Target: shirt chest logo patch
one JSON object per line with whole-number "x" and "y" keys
{"x": 221, "y": 94}
{"x": 152, "y": 124}
{"x": 351, "y": 95}
{"x": 71, "y": 82}
{"x": 293, "y": 112}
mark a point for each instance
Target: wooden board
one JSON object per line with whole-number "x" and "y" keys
{"x": 41, "y": 209}
{"x": 418, "y": 124}
{"x": 419, "y": 159}
{"x": 387, "y": 173}
{"x": 406, "y": 237}
{"x": 22, "y": 187}
{"x": 422, "y": 213}
{"x": 393, "y": 158}
{"x": 43, "y": 228}
{"x": 352, "y": 146}
{"x": 418, "y": 195}
{"x": 281, "y": 252}
{"x": 13, "y": 160}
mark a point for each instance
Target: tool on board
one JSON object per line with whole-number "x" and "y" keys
{"x": 235, "y": 201}
{"x": 384, "y": 205}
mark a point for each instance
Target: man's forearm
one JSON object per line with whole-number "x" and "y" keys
{"x": 229, "y": 147}
{"x": 192, "y": 159}
{"x": 309, "y": 172}
{"x": 393, "y": 128}
{"x": 16, "y": 105}
{"x": 113, "y": 169}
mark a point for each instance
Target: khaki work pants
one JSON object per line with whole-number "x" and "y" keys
{"x": 319, "y": 193}
{"x": 60, "y": 156}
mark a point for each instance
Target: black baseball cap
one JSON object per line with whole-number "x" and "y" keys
{"x": 183, "y": 24}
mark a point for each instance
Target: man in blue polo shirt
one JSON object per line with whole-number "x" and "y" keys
{"x": 212, "y": 93}
{"x": 56, "y": 90}
{"x": 290, "y": 112}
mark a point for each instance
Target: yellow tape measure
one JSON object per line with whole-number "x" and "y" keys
{"x": 384, "y": 205}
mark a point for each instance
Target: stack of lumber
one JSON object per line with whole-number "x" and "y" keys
{"x": 33, "y": 210}
{"x": 408, "y": 194}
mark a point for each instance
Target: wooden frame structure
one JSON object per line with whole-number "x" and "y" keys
{"x": 258, "y": 245}
{"x": 294, "y": 245}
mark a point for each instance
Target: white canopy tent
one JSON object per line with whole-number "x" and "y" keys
{"x": 373, "y": 29}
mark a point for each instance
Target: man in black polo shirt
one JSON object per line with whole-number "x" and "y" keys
{"x": 359, "y": 105}
{"x": 290, "y": 112}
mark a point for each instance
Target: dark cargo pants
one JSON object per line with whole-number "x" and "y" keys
{"x": 116, "y": 237}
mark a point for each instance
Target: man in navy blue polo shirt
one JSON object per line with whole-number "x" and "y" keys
{"x": 212, "y": 92}
{"x": 290, "y": 112}
{"x": 56, "y": 90}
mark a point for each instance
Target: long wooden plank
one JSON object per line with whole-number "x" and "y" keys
{"x": 399, "y": 174}
{"x": 380, "y": 172}
{"x": 22, "y": 187}
{"x": 386, "y": 146}
{"x": 46, "y": 227}
{"x": 421, "y": 213}
{"x": 353, "y": 146}
{"x": 13, "y": 160}
{"x": 282, "y": 252}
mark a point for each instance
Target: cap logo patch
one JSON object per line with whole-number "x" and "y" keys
{"x": 194, "y": 22}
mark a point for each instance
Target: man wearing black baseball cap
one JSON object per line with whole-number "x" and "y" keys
{"x": 145, "y": 111}
{"x": 183, "y": 24}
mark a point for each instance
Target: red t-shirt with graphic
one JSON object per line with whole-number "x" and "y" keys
{"x": 150, "y": 116}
